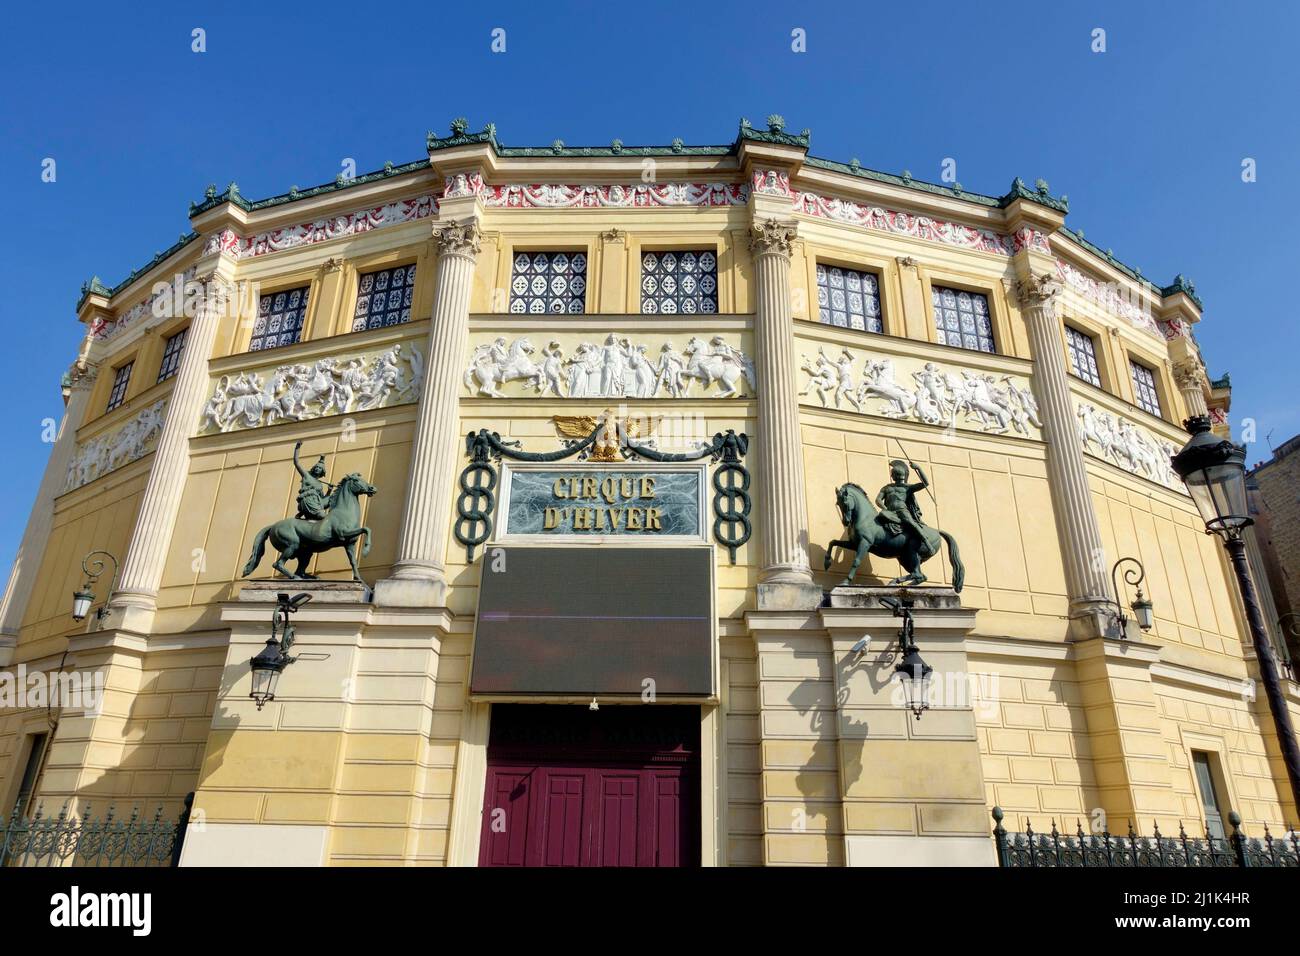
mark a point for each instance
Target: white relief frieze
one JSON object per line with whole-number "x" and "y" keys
{"x": 616, "y": 196}
{"x": 164, "y": 298}
{"x": 321, "y": 230}
{"x": 927, "y": 393}
{"x": 129, "y": 442}
{"x": 335, "y": 385}
{"x": 1131, "y": 447}
{"x": 616, "y": 367}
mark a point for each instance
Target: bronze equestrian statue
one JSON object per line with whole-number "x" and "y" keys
{"x": 339, "y": 525}
{"x": 895, "y": 531}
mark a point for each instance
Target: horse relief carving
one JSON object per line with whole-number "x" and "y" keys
{"x": 104, "y": 453}
{"x": 615, "y": 368}
{"x": 336, "y": 385}
{"x": 934, "y": 396}
{"x": 1122, "y": 443}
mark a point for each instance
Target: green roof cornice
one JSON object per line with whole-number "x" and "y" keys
{"x": 460, "y": 137}
{"x": 1040, "y": 194}
{"x": 775, "y": 133}
{"x": 1218, "y": 383}
{"x": 212, "y": 198}
{"x": 1184, "y": 285}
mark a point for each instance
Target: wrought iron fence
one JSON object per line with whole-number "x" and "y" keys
{"x": 1032, "y": 849}
{"x": 72, "y": 840}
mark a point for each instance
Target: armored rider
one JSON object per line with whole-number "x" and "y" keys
{"x": 899, "y": 512}
{"x": 313, "y": 491}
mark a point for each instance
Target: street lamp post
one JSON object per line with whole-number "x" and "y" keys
{"x": 1214, "y": 470}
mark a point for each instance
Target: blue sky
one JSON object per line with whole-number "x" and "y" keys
{"x": 1147, "y": 138}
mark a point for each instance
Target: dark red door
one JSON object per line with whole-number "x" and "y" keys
{"x": 567, "y": 786}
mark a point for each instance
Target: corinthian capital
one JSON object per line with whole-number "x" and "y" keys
{"x": 1038, "y": 290}
{"x": 773, "y": 236}
{"x": 458, "y": 238}
{"x": 1190, "y": 374}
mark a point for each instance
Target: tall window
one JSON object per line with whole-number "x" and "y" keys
{"x": 1083, "y": 356}
{"x": 962, "y": 319}
{"x": 679, "y": 282}
{"x": 1210, "y": 801}
{"x": 848, "y": 298}
{"x": 1144, "y": 387}
{"x": 279, "y": 319}
{"x": 121, "y": 378}
{"x": 31, "y": 774}
{"x": 549, "y": 282}
{"x": 172, "y": 349}
{"x": 384, "y": 298}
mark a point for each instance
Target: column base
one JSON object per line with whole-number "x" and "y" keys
{"x": 128, "y": 611}
{"x": 422, "y": 591}
{"x": 1093, "y": 618}
{"x": 789, "y": 595}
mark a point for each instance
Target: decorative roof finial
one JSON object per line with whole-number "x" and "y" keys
{"x": 775, "y": 123}
{"x": 1041, "y": 186}
{"x": 677, "y": 144}
{"x": 616, "y": 146}
{"x": 459, "y": 125}
{"x": 557, "y": 147}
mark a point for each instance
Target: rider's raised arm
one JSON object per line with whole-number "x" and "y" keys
{"x": 920, "y": 485}
{"x": 295, "y": 460}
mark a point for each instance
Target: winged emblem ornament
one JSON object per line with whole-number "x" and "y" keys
{"x": 608, "y": 445}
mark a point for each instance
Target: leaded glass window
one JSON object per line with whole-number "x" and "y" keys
{"x": 171, "y": 359}
{"x": 279, "y": 319}
{"x": 962, "y": 319}
{"x": 549, "y": 282}
{"x": 1083, "y": 356}
{"x": 848, "y": 298}
{"x": 121, "y": 378}
{"x": 384, "y": 298}
{"x": 679, "y": 282}
{"x": 1144, "y": 388}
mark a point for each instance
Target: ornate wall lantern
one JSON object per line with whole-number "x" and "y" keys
{"x": 1143, "y": 609}
{"x": 85, "y": 597}
{"x": 271, "y": 661}
{"x": 913, "y": 672}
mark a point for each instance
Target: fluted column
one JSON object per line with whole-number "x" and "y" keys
{"x": 419, "y": 573}
{"x": 134, "y": 601}
{"x": 27, "y": 563}
{"x": 1086, "y": 568}
{"x": 1192, "y": 382}
{"x": 784, "y": 579}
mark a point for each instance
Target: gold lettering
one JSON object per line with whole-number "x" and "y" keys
{"x": 582, "y": 519}
{"x": 627, "y": 487}
{"x": 553, "y": 518}
{"x": 600, "y": 519}
{"x": 652, "y": 520}
{"x": 557, "y": 490}
{"x": 588, "y": 487}
{"x": 648, "y": 486}
{"x": 609, "y": 490}
{"x": 634, "y": 518}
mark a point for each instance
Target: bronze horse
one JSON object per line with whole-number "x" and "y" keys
{"x": 302, "y": 538}
{"x": 867, "y": 535}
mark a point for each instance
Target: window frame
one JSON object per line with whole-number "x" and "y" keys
{"x": 641, "y": 249}
{"x": 36, "y": 745}
{"x": 375, "y": 269}
{"x": 1162, "y": 402}
{"x": 997, "y": 329}
{"x": 1094, "y": 347}
{"x": 875, "y": 272}
{"x": 298, "y": 282}
{"x": 129, "y": 367}
{"x": 180, "y": 353}
{"x": 549, "y": 249}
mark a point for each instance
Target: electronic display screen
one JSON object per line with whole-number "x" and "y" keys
{"x": 600, "y": 621}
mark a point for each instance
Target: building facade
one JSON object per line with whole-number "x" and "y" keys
{"x": 1274, "y": 489}
{"x": 608, "y": 401}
